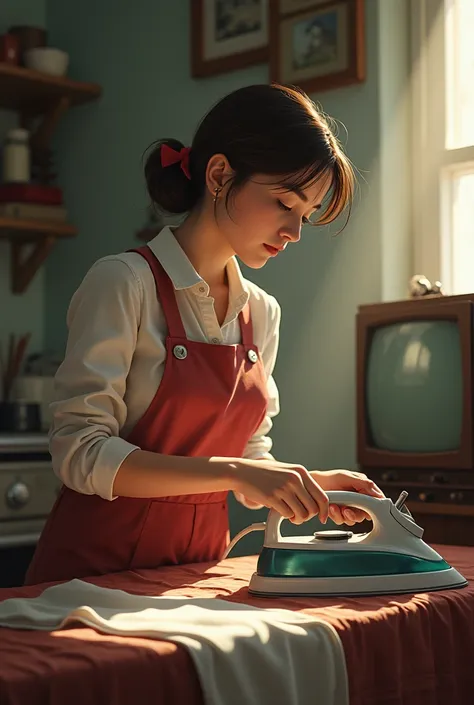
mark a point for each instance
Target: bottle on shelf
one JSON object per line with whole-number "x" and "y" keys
{"x": 16, "y": 157}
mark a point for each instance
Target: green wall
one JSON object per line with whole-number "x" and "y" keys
{"x": 19, "y": 314}
{"x": 139, "y": 53}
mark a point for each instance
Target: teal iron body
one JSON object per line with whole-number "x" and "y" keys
{"x": 391, "y": 558}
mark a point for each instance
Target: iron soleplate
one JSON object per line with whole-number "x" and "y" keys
{"x": 354, "y": 586}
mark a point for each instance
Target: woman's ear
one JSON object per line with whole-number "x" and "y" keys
{"x": 218, "y": 173}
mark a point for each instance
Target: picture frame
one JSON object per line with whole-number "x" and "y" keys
{"x": 317, "y": 45}
{"x": 227, "y": 35}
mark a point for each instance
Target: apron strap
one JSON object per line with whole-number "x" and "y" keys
{"x": 167, "y": 297}
{"x": 165, "y": 293}
{"x": 246, "y": 328}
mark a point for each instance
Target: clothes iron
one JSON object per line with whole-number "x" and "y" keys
{"x": 391, "y": 558}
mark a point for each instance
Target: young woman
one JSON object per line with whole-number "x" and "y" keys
{"x": 165, "y": 398}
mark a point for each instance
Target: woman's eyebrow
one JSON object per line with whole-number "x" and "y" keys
{"x": 298, "y": 192}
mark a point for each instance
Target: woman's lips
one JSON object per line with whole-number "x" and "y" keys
{"x": 272, "y": 250}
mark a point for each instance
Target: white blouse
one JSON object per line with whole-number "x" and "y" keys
{"x": 116, "y": 354}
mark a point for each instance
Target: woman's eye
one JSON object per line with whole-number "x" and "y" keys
{"x": 306, "y": 221}
{"x": 282, "y": 206}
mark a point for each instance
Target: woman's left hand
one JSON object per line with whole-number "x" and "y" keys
{"x": 348, "y": 481}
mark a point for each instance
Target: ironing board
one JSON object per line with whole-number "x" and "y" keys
{"x": 400, "y": 650}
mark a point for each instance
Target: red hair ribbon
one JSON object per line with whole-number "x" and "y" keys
{"x": 170, "y": 156}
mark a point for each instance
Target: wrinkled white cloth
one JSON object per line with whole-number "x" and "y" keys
{"x": 242, "y": 654}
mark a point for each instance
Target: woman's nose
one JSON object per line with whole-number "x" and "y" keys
{"x": 293, "y": 233}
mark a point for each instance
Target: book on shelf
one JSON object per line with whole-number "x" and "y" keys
{"x": 33, "y": 211}
{"x": 31, "y": 193}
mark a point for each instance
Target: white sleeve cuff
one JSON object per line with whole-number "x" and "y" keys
{"x": 110, "y": 457}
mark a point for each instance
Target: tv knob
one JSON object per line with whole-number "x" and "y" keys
{"x": 17, "y": 495}
{"x": 437, "y": 478}
{"x": 389, "y": 476}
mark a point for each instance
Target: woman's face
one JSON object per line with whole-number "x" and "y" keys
{"x": 264, "y": 217}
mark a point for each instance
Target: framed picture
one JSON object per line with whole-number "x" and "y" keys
{"x": 228, "y": 34}
{"x": 317, "y": 44}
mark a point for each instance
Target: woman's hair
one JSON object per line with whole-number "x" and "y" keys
{"x": 261, "y": 129}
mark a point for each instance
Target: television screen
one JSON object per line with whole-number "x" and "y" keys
{"x": 414, "y": 387}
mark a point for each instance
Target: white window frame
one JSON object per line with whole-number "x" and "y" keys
{"x": 433, "y": 163}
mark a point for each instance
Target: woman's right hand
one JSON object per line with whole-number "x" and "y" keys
{"x": 287, "y": 488}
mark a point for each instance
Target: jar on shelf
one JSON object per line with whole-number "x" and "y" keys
{"x": 16, "y": 156}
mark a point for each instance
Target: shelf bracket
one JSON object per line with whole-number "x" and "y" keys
{"x": 41, "y": 137}
{"x": 24, "y": 269}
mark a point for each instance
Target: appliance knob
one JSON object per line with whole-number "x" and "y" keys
{"x": 456, "y": 496}
{"x": 438, "y": 478}
{"x": 389, "y": 476}
{"x": 17, "y": 495}
{"x": 426, "y": 496}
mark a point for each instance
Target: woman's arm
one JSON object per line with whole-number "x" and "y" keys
{"x": 89, "y": 408}
{"x": 267, "y": 316}
{"x": 146, "y": 474}
{"x": 289, "y": 489}
{"x": 260, "y": 445}
{"x": 88, "y": 453}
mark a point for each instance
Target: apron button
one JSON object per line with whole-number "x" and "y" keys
{"x": 180, "y": 352}
{"x": 252, "y": 356}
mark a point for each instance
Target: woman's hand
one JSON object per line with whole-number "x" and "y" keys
{"x": 248, "y": 503}
{"x": 347, "y": 481}
{"x": 289, "y": 489}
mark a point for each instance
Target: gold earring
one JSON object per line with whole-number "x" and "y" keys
{"x": 216, "y": 193}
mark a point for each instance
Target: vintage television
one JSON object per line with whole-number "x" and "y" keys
{"x": 415, "y": 412}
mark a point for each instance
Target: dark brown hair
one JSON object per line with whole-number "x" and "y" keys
{"x": 261, "y": 129}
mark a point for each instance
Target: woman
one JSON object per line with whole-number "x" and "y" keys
{"x": 166, "y": 395}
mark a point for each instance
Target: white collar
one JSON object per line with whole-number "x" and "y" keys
{"x": 180, "y": 270}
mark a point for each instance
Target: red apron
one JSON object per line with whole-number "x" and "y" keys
{"x": 211, "y": 400}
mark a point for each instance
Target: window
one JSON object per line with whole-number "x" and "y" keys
{"x": 443, "y": 141}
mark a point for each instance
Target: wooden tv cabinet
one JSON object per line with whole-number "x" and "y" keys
{"x": 442, "y": 502}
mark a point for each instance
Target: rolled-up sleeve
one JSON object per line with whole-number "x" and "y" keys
{"x": 89, "y": 408}
{"x": 261, "y": 443}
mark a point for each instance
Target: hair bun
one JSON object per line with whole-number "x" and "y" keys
{"x": 168, "y": 186}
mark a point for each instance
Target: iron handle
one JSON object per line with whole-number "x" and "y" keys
{"x": 378, "y": 509}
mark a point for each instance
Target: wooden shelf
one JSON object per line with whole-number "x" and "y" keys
{"x": 16, "y": 228}
{"x": 41, "y": 235}
{"x": 37, "y": 95}
{"x": 33, "y": 93}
